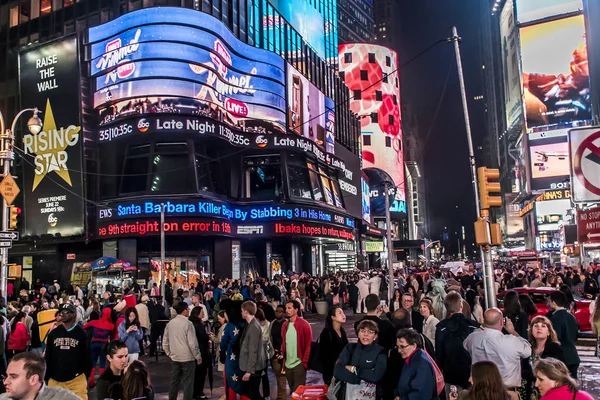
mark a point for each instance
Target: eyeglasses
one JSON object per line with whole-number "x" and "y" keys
{"x": 404, "y": 347}
{"x": 367, "y": 331}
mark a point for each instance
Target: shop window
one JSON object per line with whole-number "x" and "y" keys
{"x": 171, "y": 169}
{"x": 14, "y": 16}
{"x": 262, "y": 177}
{"x": 135, "y": 170}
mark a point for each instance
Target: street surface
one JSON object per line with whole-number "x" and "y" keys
{"x": 160, "y": 372}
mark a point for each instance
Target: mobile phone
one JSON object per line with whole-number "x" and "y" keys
{"x": 382, "y": 303}
{"x": 453, "y": 391}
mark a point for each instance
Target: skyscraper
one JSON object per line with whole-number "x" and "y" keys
{"x": 355, "y": 21}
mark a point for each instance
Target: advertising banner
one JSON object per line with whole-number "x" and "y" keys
{"x": 556, "y": 79}
{"x": 52, "y": 163}
{"x": 550, "y": 164}
{"x": 550, "y": 214}
{"x": 514, "y": 223}
{"x": 170, "y": 60}
{"x": 310, "y": 113}
{"x": 533, "y": 10}
{"x": 350, "y": 181}
{"x": 366, "y": 198}
{"x": 510, "y": 65}
{"x": 584, "y": 149}
{"x": 379, "y": 108}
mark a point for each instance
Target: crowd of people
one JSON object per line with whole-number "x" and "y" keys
{"x": 435, "y": 338}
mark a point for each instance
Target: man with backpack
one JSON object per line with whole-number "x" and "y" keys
{"x": 450, "y": 333}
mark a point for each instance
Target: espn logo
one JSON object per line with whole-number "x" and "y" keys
{"x": 250, "y": 230}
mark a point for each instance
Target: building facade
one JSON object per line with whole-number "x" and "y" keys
{"x": 355, "y": 21}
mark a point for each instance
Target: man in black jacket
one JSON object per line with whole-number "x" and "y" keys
{"x": 451, "y": 356}
{"x": 408, "y": 301}
{"x": 566, "y": 327}
{"x": 386, "y": 337}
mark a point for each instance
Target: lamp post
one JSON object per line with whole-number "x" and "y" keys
{"x": 7, "y": 156}
{"x": 388, "y": 225}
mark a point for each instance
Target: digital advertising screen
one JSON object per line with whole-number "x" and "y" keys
{"x": 52, "y": 159}
{"x": 181, "y": 61}
{"x": 350, "y": 181}
{"x": 510, "y": 65}
{"x": 550, "y": 163}
{"x": 549, "y": 214}
{"x": 366, "y": 199}
{"x": 379, "y": 109}
{"x": 556, "y": 79}
{"x": 532, "y": 10}
{"x": 310, "y": 113}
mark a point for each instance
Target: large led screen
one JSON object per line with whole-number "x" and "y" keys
{"x": 556, "y": 80}
{"x": 549, "y": 214}
{"x": 376, "y": 89}
{"x": 310, "y": 113}
{"x": 510, "y": 65}
{"x": 180, "y": 61}
{"x": 532, "y": 10}
{"x": 550, "y": 163}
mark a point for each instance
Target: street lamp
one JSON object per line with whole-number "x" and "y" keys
{"x": 34, "y": 124}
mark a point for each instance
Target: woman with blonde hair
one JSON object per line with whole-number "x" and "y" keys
{"x": 543, "y": 339}
{"x": 553, "y": 380}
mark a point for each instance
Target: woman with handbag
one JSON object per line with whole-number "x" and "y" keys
{"x": 360, "y": 367}
{"x": 332, "y": 341}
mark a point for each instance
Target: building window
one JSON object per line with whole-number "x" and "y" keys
{"x": 364, "y": 75}
{"x": 391, "y": 119}
{"x": 357, "y": 94}
{"x": 135, "y": 169}
{"x": 367, "y": 140}
{"x": 388, "y": 61}
{"x": 262, "y": 177}
{"x": 395, "y": 100}
{"x": 384, "y": 79}
{"x": 379, "y": 95}
{"x": 342, "y": 75}
{"x": 209, "y": 172}
{"x": 315, "y": 185}
{"x": 388, "y": 141}
{"x": 172, "y": 171}
{"x": 374, "y": 118}
{"x": 372, "y": 58}
{"x": 347, "y": 57}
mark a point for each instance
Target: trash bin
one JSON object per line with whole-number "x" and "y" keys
{"x": 318, "y": 392}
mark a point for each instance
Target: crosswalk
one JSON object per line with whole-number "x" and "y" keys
{"x": 589, "y": 369}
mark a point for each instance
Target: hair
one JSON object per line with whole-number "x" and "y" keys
{"x": 294, "y": 303}
{"x": 135, "y": 381}
{"x": 471, "y": 297}
{"x": 559, "y": 298}
{"x": 372, "y": 302}
{"x": 329, "y": 320}
{"x": 568, "y": 294}
{"x": 399, "y": 292}
{"x": 136, "y": 321}
{"x": 557, "y": 371}
{"x": 453, "y": 302}
{"x": 34, "y": 364}
{"x": 195, "y": 313}
{"x": 411, "y": 336}
{"x": 428, "y": 303}
{"x": 250, "y": 307}
{"x": 20, "y": 315}
{"x": 258, "y": 297}
{"x": 112, "y": 347}
{"x": 199, "y": 296}
{"x": 540, "y": 318}
{"x": 367, "y": 324}
{"x": 260, "y": 315}
{"x": 401, "y": 319}
{"x": 280, "y": 306}
{"x": 222, "y": 314}
{"x": 512, "y": 306}
{"x": 527, "y": 304}
{"x": 487, "y": 383}
{"x": 180, "y": 307}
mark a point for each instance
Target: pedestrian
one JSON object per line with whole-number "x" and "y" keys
{"x": 566, "y": 327}
{"x": 135, "y": 384}
{"x": 203, "y": 339}
{"x": 506, "y": 351}
{"x": 544, "y": 340}
{"x": 296, "y": 336}
{"x": 130, "y": 332}
{"x": 116, "y": 355}
{"x": 25, "y": 380}
{"x": 93, "y": 312}
{"x": 450, "y": 333}
{"x": 216, "y": 338}
{"x": 430, "y": 322}
{"x": 181, "y": 346}
{"x": 252, "y": 351}
{"x": 418, "y": 379}
{"x": 277, "y": 360}
{"x": 265, "y": 327}
{"x": 553, "y": 380}
{"x": 197, "y": 302}
{"x": 361, "y": 366}
{"x": 408, "y": 301}
{"x": 487, "y": 384}
{"x": 68, "y": 355}
{"x": 513, "y": 310}
{"x": 230, "y": 348}
{"x": 18, "y": 338}
{"x": 158, "y": 321}
{"x": 101, "y": 330}
{"x": 332, "y": 341}
{"x": 144, "y": 316}
{"x": 474, "y": 304}
{"x": 363, "y": 292}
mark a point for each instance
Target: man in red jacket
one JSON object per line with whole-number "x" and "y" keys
{"x": 296, "y": 335}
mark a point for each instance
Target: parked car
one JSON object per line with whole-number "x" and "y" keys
{"x": 540, "y": 299}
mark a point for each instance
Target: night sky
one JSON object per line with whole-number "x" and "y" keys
{"x": 445, "y": 155}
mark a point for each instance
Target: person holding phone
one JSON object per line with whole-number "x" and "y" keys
{"x": 130, "y": 332}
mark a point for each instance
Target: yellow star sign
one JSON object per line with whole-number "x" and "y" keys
{"x": 49, "y": 147}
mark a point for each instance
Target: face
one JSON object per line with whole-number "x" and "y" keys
{"x": 367, "y": 336}
{"x": 222, "y": 320}
{"x": 119, "y": 359}
{"x": 424, "y": 310}
{"x": 105, "y": 296}
{"x": 543, "y": 383}
{"x": 404, "y": 348}
{"x": 17, "y": 384}
{"x": 290, "y": 310}
{"x": 279, "y": 313}
{"x": 67, "y": 316}
{"x": 244, "y": 314}
{"x": 407, "y": 302}
{"x": 131, "y": 317}
{"x": 339, "y": 316}
{"x": 540, "y": 331}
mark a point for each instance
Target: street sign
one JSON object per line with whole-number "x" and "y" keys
{"x": 5, "y": 244}
{"x": 588, "y": 226}
{"x": 584, "y": 151}
{"x": 10, "y": 235}
{"x": 9, "y": 189}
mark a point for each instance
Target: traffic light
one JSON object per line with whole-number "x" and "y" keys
{"x": 496, "y": 233}
{"x": 486, "y": 187}
{"x": 14, "y": 213}
{"x": 482, "y": 232}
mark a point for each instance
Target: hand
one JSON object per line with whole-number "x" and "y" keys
{"x": 199, "y": 361}
{"x": 211, "y": 335}
{"x": 246, "y": 377}
{"x": 510, "y": 327}
{"x": 453, "y": 396}
{"x": 349, "y": 368}
{"x": 280, "y": 357}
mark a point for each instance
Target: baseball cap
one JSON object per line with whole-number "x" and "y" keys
{"x": 67, "y": 307}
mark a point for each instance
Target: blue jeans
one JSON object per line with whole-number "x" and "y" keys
{"x": 97, "y": 351}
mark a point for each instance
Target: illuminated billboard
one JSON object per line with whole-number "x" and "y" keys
{"x": 550, "y": 163}
{"x": 310, "y": 113}
{"x": 532, "y": 10}
{"x": 180, "y": 61}
{"x": 549, "y": 214}
{"x": 556, "y": 80}
{"x": 510, "y": 65}
{"x": 370, "y": 72}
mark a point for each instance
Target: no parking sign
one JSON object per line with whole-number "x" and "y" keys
{"x": 584, "y": 149}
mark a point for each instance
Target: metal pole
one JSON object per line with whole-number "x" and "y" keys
{"x": 4, "y": 251}
{"x": 489, "y": 283}
{"x": 426, "y": 252}
{"x": 163, "y": 270}
{"x": 388, "y": 225}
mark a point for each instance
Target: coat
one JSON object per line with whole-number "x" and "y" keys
{"x": 417, "y": 381}
{"x": 252, "y": 349}
{"x": 143, "y": 315}
{"x": 17, "y": 341}
{"x": 566, "y": 328}
{"x": 131, "y": 339}
{"x": 370, "y": 362}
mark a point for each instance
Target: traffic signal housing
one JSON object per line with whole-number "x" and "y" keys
{"x": 13, "y": 220}
{"x": 486, "y": 187}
